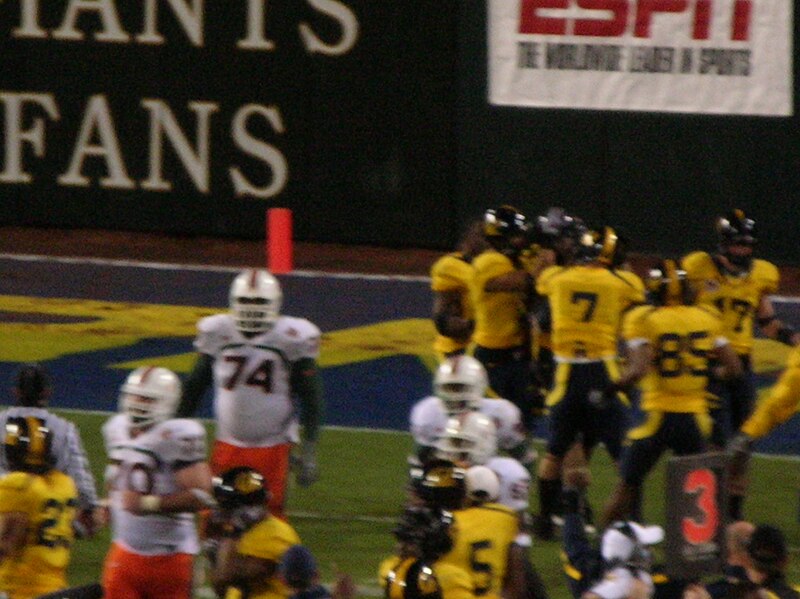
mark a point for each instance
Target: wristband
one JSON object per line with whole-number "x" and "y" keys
{"x": 149, "y": 503}
{"x": 204, "y": 497}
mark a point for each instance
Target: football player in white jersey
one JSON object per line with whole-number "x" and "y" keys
{"x": 259, "y": 362}
{"x": 157, "y": 478}
{"x": 470, "y": 440}
{"x": 459, "y": 385}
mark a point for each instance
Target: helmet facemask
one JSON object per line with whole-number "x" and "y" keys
{"x": 149, "y": 396}
{"x": 460, "y": 382}
{"x": 255, "y": 301}
{"x": 469, "y": 440}
{"x": 737, "y": 238}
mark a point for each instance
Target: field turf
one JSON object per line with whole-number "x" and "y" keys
{"x": 346, "y": 518}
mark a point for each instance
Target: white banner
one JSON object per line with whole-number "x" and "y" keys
{"x": 694, "y": 56}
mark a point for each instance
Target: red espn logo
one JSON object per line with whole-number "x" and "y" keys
{"x": 531, "y": 22}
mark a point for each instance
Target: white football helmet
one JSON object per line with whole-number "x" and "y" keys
{"x": 460, "y": 382}
{"x": 482, "y": 483}
{"x": 470, "y": 439}
{"x": 150, "y": 395}
{"x": 255, "y": 300}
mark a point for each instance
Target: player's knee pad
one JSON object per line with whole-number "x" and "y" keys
{"x": 549, "y": 467}
{"x": 578, "y": 477}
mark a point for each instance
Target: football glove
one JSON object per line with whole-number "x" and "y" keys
{"x": 307, "y": 472}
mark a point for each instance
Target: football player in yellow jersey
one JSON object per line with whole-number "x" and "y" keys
{"x": 560, "y": 232}
{"x": 739, "y": 287}
{"x": 483, "y": 543}
{"x": 586, "y": 300}
{"x": 669, "y": 348}
{"x": 453, "y": 314}
{"x": 775, "y": 409}
{"x": 502, "y": 290}
{"x": 37, "y": 507}
{"x": 251, "y": 542}
{"x": 424, "y": 534}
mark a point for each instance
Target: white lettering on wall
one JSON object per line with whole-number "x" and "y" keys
{"x": 15, "y": 135}
{"x": 196, "y": 162}
{"x": 347, "y": 21}
{"x": 256, "y": 16}
{"x": 107, "y": 11}
{"x": 258, "y": 149}
{"x": 190, "y": 19}
{"x": 29, "y": 21}
{"x": 97, "y": 120}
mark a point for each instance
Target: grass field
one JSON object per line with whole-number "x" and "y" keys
{"x": 346, "y": 517}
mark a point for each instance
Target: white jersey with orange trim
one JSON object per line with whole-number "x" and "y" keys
{"x": 515, "y": 482}
{"x": 147, "y": 464}
{"x": 252, "y": 392}
{"x": 429, "y": 419}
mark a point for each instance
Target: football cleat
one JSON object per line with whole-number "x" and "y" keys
{"x": 460, "y": 382}
{"x": 255, "y": 301}
{"x": 27, "y": 445}
{"x": 150, "y": 395}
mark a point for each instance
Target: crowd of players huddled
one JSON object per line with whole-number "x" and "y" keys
{"x": 541, "y": 326}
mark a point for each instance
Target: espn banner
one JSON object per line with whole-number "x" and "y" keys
{"x": 691, "y": 56}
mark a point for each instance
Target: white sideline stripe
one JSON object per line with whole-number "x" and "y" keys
{"x": 342, "y": 517}
{"x": 781, "y": 299}
{"x": 785, "y": 299}
{"x": 365, "y": 590}
{"x": 387, "y": 431}
{"x": 205, "y": 267}
{"x": 333, "y": 427}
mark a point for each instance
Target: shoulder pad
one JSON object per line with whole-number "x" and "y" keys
{"x": 181, "y": 427}
{"x": 550, "y": 271}
{"x": 115, "y": 427}
{"x": 16, "y": 481}
{"x": 216, "y": 323}
{"x": 489, "y": 258}
{"x": 546, "y": 276}
{"x": 698, "y": 264}
{"x": 767, "y": 273}
{"x": 213, "y": 332}
{"x": 181, "y": 440}
{"x": 632, "y": 279}
{"x": 637, "y": 312}
{"x": 793, "y": 361}
{"x": 298, "y": 328}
